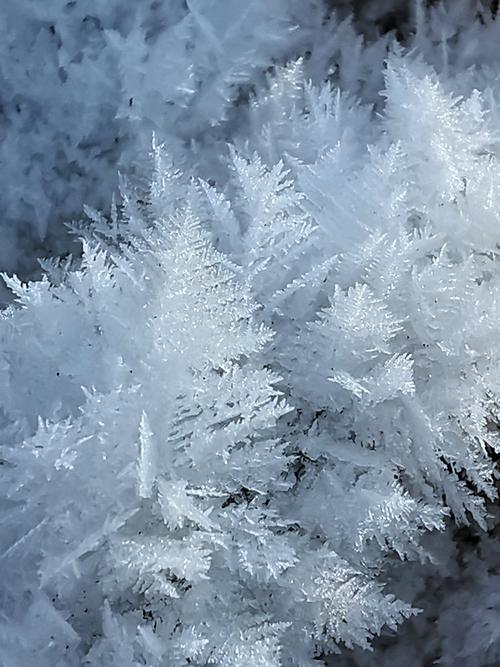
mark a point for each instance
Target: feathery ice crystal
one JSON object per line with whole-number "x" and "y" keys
{"x": 247, "y": 426}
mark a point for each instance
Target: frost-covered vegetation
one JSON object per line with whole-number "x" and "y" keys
{"x": 255, "y": 421}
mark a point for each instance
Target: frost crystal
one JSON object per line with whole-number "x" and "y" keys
{"x": 255, "y": 422}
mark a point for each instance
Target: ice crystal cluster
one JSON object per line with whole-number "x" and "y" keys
{"x": 254, "y": 422}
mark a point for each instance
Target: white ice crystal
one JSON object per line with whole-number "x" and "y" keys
{"x": 255, "y": 421}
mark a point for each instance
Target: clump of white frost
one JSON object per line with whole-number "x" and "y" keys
{"x": 256, "y": 424}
